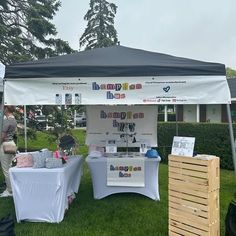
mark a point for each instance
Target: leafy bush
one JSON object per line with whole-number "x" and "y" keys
{"x": 212, "y": 139}
{"x": 49, "y": 139}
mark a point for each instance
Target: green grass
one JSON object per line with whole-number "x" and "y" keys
{"x": 119, "y": 214}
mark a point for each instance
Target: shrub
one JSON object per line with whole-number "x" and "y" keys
{"x": 212, "y": 139}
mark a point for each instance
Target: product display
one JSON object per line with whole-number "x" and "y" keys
{"x": 53, "y": 163}
{"x": 39, "y": 159}
{"x": 99, "y": 171}
{"x": 41, "y": 195}
{"x": 24, "y": 160}
{"x": 152, "y": 153}
{"x": 58, "y": 99}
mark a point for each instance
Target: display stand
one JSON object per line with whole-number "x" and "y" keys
{"x": 194, "y": 195}
{"x": 98, "y": 170}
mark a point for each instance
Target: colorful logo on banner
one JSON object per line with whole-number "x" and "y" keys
{"x": 122, "y": 116}
{"x": 125, "y": 171}
{"x": 117, "y": 87}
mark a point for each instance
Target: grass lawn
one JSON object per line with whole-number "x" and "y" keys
{"x": 119, "y": 214}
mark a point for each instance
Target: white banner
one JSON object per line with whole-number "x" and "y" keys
{"x": 122, "y": 124}
{"x": 118, "y": 90}
{"x": 125, "y": 172}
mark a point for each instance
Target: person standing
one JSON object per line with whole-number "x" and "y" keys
{"x": 8, "y": 133}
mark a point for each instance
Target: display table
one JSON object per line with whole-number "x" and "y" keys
{"x": 98, "y": 170}
{"x": 42, "y": 194}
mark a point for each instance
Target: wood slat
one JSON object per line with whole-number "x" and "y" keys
{"x": 198, "y": 174}
{"x": 197, "y": 219}
{"x": 189, "y": 221}
{"x": 203, "y": 201}
{"x": 188, "y": 185}
{"x": 188, "y": 160}
{"x": 192, "y": 210}
{"x": 182, "y": 232}
{"x": 189, "y": 203}
{"x": 188, "y": 166}
{"x": 186, "y": 227}
{"x": 188, "y": 191}
{"x": 187, "y": 178}
{"x": 173, "y": 234}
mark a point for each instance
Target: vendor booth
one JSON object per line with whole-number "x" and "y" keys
{"x": 111, "y": 128}
{"x": 118, "y": 76}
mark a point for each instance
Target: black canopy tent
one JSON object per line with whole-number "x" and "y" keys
{"x": 113, "y": 61}
{"x": 114, "y": 64}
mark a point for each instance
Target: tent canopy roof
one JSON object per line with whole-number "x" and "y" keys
{"x": 232, "y": 87}
{"x": 115, "y": 61}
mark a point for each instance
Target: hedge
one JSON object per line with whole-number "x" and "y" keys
{"x": 212, "y": 139}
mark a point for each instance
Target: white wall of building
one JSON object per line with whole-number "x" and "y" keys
{"x": 213, "y": 113}
{"x": 190, "y": 113}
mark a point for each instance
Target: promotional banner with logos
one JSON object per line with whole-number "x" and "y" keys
{"x": 118, "y": 90}
{"x": 125, "y": 172}
{"x": 121, "y": 125}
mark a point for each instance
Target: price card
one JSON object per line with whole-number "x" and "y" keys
{"x": 183, "y": 146}
{"x": 111, "y": 146}
{"x": 144, "y": 146}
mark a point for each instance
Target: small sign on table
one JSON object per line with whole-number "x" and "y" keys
{"x": 111, "y": 146}
{"x": 183, "y": 146}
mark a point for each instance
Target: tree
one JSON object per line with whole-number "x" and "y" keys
{"x": 100, "y": 31}
{"x": 26, "y": 32}
{"x": 230, "y": 73}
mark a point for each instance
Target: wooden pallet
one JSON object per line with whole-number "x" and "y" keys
{"x": 193, "y": 195}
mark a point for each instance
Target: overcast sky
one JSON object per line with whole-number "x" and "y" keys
{"x": 198, "y": 29}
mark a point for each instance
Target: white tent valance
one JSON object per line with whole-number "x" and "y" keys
{"x": 118, "y": 90}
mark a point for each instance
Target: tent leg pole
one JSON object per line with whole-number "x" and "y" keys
{"x": 25, "y": 128}
{"x": 176, "y": 120}
{"x": 231, "y": 137}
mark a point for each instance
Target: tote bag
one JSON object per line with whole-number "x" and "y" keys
{"x": 9, "y": 148}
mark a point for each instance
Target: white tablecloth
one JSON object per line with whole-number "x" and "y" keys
{"x": 42, "y": 194}
{"x": 98, "y": 170}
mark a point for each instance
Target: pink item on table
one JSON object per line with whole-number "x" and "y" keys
{"x": 24, "y": 160}
{"x": 56, "y": 154}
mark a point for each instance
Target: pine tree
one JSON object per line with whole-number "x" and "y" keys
{"x": 100, "y": 31}
{"x": 26, "y": 31}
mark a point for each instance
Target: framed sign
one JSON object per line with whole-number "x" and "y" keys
{"x": 111, "y": 146}
{"x": 183, "y": 146}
